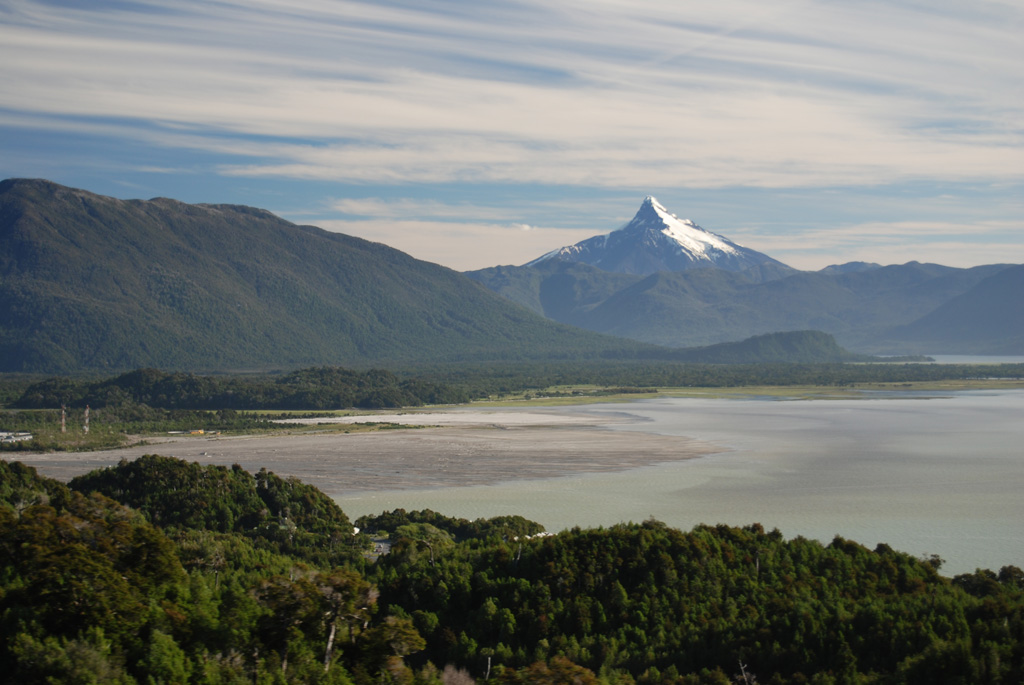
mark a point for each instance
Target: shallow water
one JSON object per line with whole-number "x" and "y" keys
{"x": 926, "y": 473}
{"x": 977, "y": 359}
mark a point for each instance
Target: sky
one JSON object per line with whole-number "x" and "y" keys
{"x": 473, "y": 134}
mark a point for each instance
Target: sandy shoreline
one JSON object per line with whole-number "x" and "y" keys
{"x": 461, "y": 447}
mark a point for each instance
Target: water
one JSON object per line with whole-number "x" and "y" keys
{"x": 925, "y": 473}
{"x": 977, "y": 359}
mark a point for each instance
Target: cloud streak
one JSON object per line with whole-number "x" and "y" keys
{"x": 808, "y": 94}
{"x": 433, "y": 241}
{"x": 603, "y": 96}
{"x": 949, "y": 243}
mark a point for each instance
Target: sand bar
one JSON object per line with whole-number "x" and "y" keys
{"x": 458, "y": 447}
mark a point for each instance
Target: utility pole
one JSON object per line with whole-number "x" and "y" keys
{"x": 86, "y": 426}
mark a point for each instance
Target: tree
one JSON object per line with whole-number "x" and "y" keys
{"x": 347, "y": 598}
{"x": 426, "y": 535}
{"x": 388, "y": 643}
{"x": 559, "y": 671}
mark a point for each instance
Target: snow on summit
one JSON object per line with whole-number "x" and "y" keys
{"x": 692, "y": 237}
{"x": 657, "y": 240}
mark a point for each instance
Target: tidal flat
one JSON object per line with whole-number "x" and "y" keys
{"x": 455, "y": 448}
{"x": 925, "y": 471}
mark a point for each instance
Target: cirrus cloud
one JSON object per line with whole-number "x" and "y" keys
{"x": 600, "y": 96}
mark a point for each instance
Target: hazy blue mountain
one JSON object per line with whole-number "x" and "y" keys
{"x": 849, "y": 267}
{"x": 987, "y": 319}
{"x": 810, "y": 347}
{"x": 708, "y": 306}
{"x": 667, "y": 281}
{"x": 92, "y": 282}
{"x": 656, "y": 240}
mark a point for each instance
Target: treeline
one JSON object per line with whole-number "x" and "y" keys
{"x": 457, "y": 529}
{"x": 113, "y": 426}
{"x": 160, "y": 571}
{"x": 492, "y": 380}
{"x": 326, "y": 388}
{"x": 313, "y": 388}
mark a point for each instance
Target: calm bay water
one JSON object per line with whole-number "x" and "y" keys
{"x": 925, "y": 473}
{"x": 977, "y": 359}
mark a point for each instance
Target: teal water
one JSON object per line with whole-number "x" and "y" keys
{"x": 925, "y": 473}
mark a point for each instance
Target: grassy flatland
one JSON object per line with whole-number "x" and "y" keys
{"x": 361, "y": 427}
{"x": 573, "y": 395}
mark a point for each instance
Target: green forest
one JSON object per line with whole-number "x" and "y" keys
{"x": 166, "y": 571}
{"x": 330, "y": 388}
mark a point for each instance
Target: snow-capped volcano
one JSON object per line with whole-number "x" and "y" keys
{"x": 656, "y": 240}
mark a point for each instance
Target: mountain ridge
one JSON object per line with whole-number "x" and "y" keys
{"x": 93, "y": 282}
{"x": 667, "y": 281}
{"x": 656, "y": 240}
{"x": 863, "y": 309}
{"x": 981, "y": 320}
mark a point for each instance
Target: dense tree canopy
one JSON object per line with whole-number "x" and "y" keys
{"x": 657, "y": 604}
{"x": 284, "y": 515}
{"x": 161, "y": 571}
{"x": 335, "y": 388}
{"x": 313, "y": 388}
{"x": 504, "y": 527}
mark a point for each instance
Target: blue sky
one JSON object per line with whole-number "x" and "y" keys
{"x": 474, "y": 134}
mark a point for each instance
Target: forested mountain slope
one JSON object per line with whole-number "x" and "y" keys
{"x": 92, "y": 282}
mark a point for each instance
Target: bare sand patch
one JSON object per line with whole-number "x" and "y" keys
{"x": 466, "y": 448}
{"x": 493, "y": 418}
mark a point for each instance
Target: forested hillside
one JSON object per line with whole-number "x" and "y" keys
{"x": 214, "y": 575}
{"x": 337, "y": 387}
{"x": 282, "y": 515}
{"x": 795, "y": 347}
{"x": 313, "y": 388}
{"x": 89, "y": 282}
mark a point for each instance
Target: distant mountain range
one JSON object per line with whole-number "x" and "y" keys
{"x": 93, "y": 283}
{"x": 669, "y": 282}
{"x": 89, "y": 282}
{"x": 988, "y": 317}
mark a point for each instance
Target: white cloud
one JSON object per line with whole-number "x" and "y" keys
{"x": 598, "y": 94}
{"x": 459, "y": 245}
{"x": 948, "y": 243}
{"x": 608, "y": 94}
{"x": 407, "y": 208}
